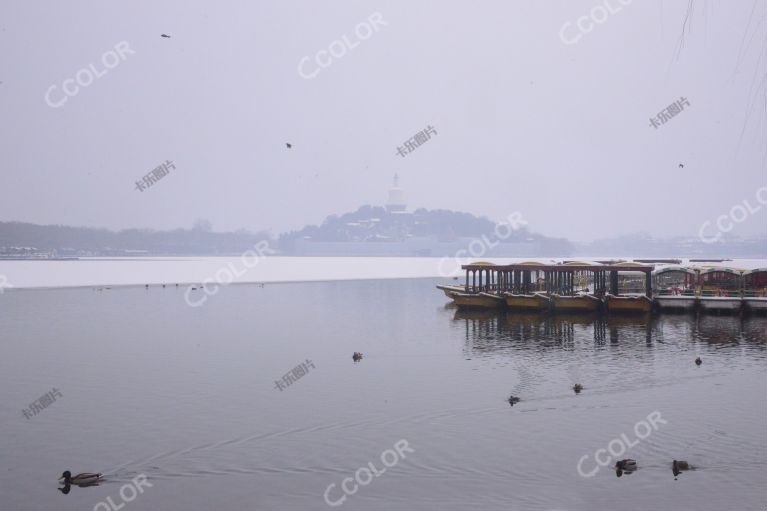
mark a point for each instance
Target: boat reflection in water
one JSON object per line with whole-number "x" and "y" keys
{"x": 488, "y": 330}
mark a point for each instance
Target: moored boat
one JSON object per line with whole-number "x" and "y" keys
{"x": 675, "y": 288}
{"x": 630, "y": 288}
{"x": 755, "y": 290}
{"x": 534, "y": 301}
{"x": 581, "y": 302}
{"x": 628, "y": 303}
{"x": 681, "y": 302}
{"x": 720, "y": 290}
{"x": 756, "y": 303}
{"x": 720, "y": 303}
{"x": 480, "y": 300}
{"x": 449, "y": 290}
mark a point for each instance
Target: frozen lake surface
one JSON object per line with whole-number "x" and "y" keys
{"x": 194, "y": 270}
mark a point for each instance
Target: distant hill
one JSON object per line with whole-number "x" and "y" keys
{"x": 370, "y": 231}
{"x": 375, "y": 230}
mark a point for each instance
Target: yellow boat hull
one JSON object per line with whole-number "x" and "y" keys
{"x": 527, "y": 302}
{"x": 581, "y": 303}
{"x": 478, "y": 300}
{"x": 450, "y": 290}
{"x": 628, "y": 304}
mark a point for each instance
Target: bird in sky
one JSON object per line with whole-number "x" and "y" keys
{"x": 289, "y": 145}
{"x": 681, "y": 165}
{"x": 165, "y": 35}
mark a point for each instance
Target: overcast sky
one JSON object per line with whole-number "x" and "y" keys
{"x": 525, "y": 122}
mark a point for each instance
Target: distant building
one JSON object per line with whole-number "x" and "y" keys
{"x": 396, "y": 200}
{"x": 392, "y": 230}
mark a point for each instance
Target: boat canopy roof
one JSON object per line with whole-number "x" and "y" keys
{"x": 679, "y": 269}
{"x": 630, "y": 266}
{"x": 719, "y": 269}
{"x": 482, "y": 263}
{"x": 561, "y": 267}
{"x": 758, "y": 270}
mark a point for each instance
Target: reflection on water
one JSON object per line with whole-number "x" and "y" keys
{"x": 498, "y": 330}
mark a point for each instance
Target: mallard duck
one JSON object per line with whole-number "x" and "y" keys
{"x": 577, "y": 388}
{"x": 513, "y": 399}
{"x": 80, "y": 479}
{"x": 626, "y": 465}
{"x": 357, "y": 356}
{"x": 698, "y": 361}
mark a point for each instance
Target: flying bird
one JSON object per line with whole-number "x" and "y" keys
{"x": 289, "y": 145}
{"x": 165, "y": 35}
{"x": 681, "y": 165}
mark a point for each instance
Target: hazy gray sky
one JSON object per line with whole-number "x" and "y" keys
{"x": 559, "y": 132}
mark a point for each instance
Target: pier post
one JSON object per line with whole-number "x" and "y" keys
{"x": 614, "y": 282}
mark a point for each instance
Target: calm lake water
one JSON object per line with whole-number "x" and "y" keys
{"x": 187, "y": 396}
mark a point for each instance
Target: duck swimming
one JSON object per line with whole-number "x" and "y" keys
{"x": 627, "y": 465}
{"x": 513, "y": 400}
{"x": 357, "y": 356}
{"x": 577, "y": 388}
{"x": 84, "y": 479}
{"x": 677, "y": 467}
{"x": 698, "y": 361}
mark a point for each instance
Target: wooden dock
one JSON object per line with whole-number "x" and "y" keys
{"x": 626, "y": 287}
